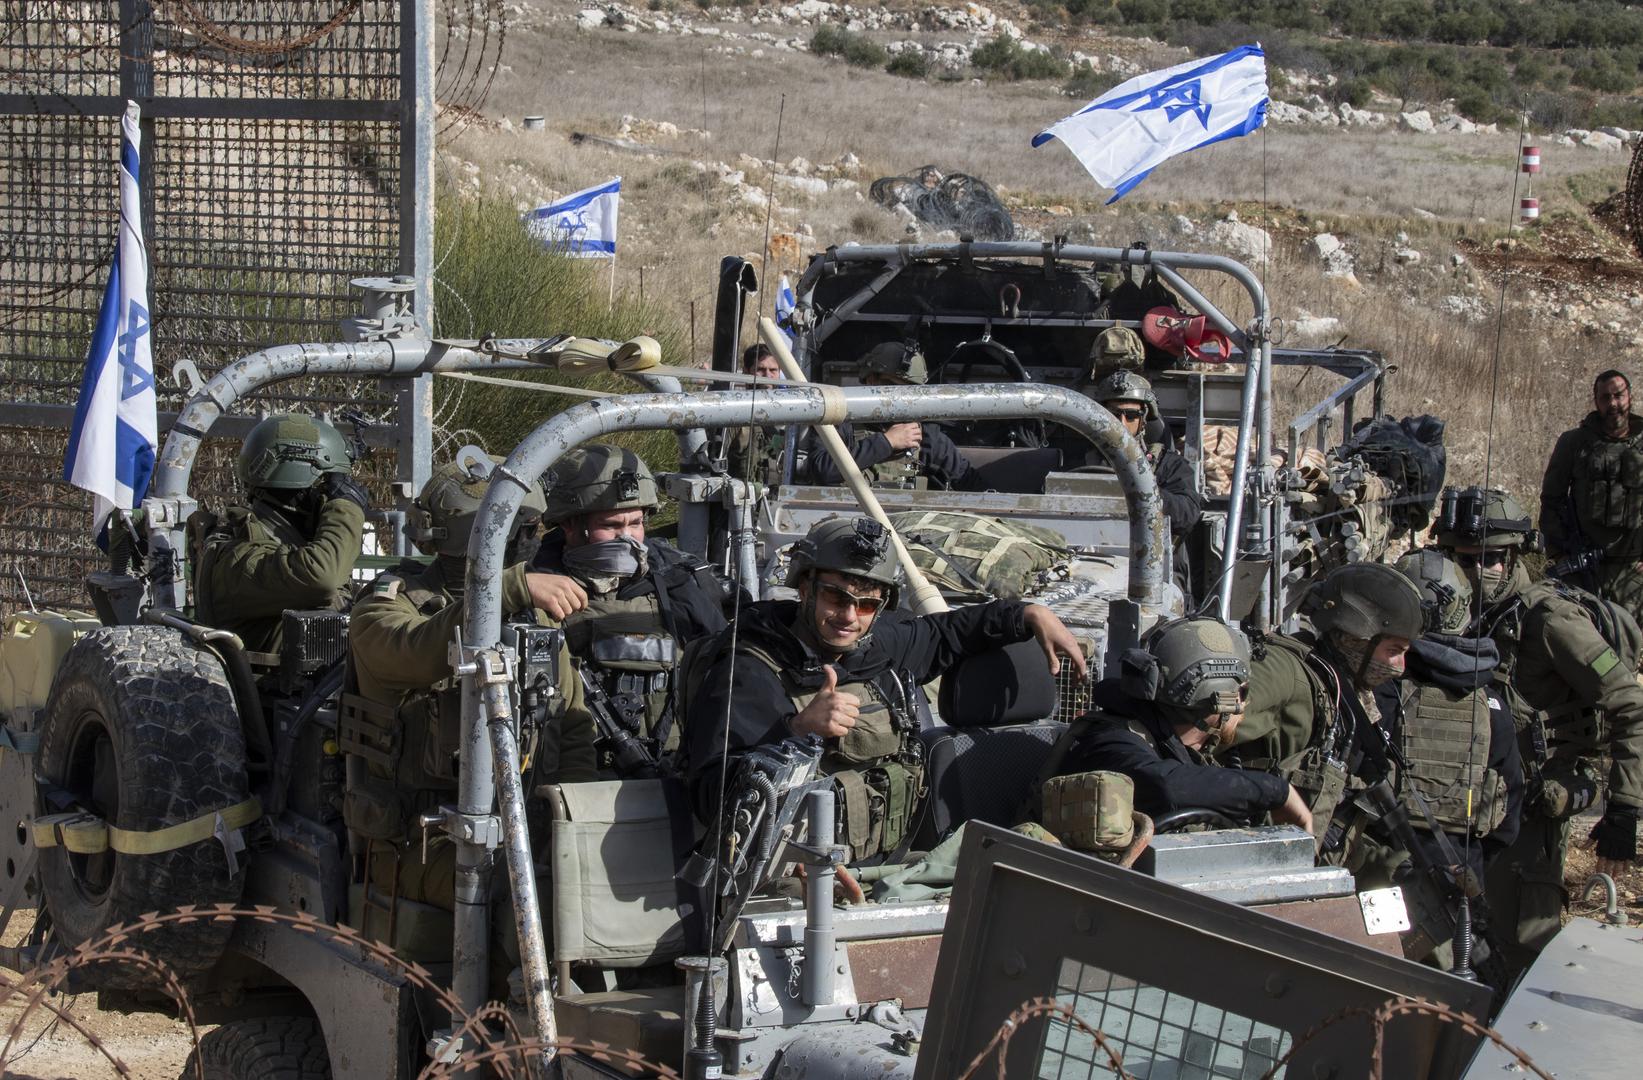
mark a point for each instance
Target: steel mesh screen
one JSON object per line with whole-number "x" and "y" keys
{"x": 1160, "y": 1035}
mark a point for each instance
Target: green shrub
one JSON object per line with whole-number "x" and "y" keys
{"x": 909, "y": 64}
{"x": 1087, "y": 84}
{"x": 1005, "y": 57}
{"x": 856, "y": 50}
{"x": 495, "y": 277}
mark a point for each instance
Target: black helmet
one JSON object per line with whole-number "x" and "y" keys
{"x": 1368, "y": 601}
{"x": 859, "y": 547}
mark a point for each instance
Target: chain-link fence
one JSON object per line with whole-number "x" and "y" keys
{"x": 286, "y": 148}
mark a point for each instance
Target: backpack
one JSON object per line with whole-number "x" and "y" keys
{"x": 970, "y": 557}
{"x": 1409, "y": 455}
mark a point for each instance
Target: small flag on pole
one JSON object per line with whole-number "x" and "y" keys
{"x": 786, "y": 301}
{"x": 582, "y": 225}
{"x": 1125, "y": 133}
{"x": 112, "y": 444}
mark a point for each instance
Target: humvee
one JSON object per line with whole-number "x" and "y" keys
{"x": 150, "y": 722}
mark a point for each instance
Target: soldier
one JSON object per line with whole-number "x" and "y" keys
{"x": 830, "y": 664}
{"x": 755, "y": 453}
{"x": 1311, "y": 694}
{"x": 1176, "y": 699}
{"x": 400, "y": 721}
{"x": 1567, "y": 686}
{"x": 647, "y": 600}
{"x": 905, "y": 455}
{"x": 294, "y": 545}
{"x": 1591, "y": 500}
{"x": 1130, "y": 397}
{"x": 1449, "y": 753}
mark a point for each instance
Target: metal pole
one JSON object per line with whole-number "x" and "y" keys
{"x": 1238, "y": 496}
{"x": 414, "y": 399}
{"x": 816, "y": 980}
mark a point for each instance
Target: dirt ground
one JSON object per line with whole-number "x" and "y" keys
{"x": 44, "y": 1048}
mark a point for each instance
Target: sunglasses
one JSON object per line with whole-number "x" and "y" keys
{"x": 839, "y": 597}
{"x": 1129, "y": 414}
{"x": 1470, "y": 561}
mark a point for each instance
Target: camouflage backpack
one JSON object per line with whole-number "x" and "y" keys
{"x": 969, "y": 557}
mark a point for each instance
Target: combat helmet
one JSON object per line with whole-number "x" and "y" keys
{"x": 896, "y": 360}
{"x": 1367, "y": 601}
{"x": 1197, "y": 664}
{"x": 1445, "y": 592}
{"x": 1118, "y": 346}
{"x": 859, "y": 547}
{"x": 1122, "y": 385}
{"x": 1481, "y": 517}
{"x": 442, "y": 517}
{"x": 598, "y": 477}
{"x": 290, "y": 452}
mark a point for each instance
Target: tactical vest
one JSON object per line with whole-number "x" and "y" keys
{"x": 902, "y": 469}
{"x": 1446, "y": 742}
{"x": 1607, "y": 485}
{"x": 877, "y": 768}
{"x": 632, "y": 653}
{"x": 1318, "y": 770}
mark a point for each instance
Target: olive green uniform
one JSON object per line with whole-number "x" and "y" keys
{"x": 1592, "y": 496}
{"x": 253, "y": 564}
{"x": 1297, "y": 724}
{"x": 1572, "y": 698}
{"x": 399, "y": 640}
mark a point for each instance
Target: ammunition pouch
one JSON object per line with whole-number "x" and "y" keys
{"x": 876, "y": 807}
{"x": 403, "y": 760}
{"x": 1321, "y": 782}
{"x": 1609, "y": 486}
{"x": 1090, "y": 811}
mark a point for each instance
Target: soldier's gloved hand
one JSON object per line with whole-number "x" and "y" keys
{"x": 831, "y": 713}
{"x": 1616, "y": 837}
{"x": 339, "y": 485}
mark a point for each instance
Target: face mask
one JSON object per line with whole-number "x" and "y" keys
{"x": 1367, "y": 672}
{"x": 621, "y": 557}
{"x": 1493, "y": 582}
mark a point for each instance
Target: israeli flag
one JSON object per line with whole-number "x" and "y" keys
{"x": 582, "y": 225}
{"x": 786, "y": 301}
{"x": 115, "y": 435}
{"x": 1130, "y": 130}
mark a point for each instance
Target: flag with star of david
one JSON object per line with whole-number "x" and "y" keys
{"x": 1130, "y": 130}
{"x": 112, "y": 445}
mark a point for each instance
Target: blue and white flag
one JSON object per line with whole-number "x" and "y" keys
{"x": 112, "y": 445}
{"x": 1125, "y": 133}
{"x": 785, "y": 303}
{"x": 582, "y": 225}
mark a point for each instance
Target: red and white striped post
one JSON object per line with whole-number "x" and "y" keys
{"x": 1530, "y": 159}
{"x": 1529, "y": 164}
{"x": 1528, "y": 210}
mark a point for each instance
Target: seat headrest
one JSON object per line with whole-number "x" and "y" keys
{"x": 1009, "y": 685}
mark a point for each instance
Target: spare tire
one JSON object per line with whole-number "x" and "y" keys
{"x": 142, "y": 731}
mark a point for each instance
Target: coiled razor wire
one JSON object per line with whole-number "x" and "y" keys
{"x": 955, "y": 201}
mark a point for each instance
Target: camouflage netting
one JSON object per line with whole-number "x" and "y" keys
{"x": 953, "y": 201}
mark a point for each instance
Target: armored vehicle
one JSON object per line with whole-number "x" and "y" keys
{"x": 165, "y": 767}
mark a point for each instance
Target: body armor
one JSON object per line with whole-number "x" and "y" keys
{"x": 1446, "y": 742}
{"x": 1318, "y": 770}
{"x": 877, "y": 769}
{"x": 1607, "y": 486}
{"x": 632, "y": 653}
{"x": 901, "y": 470}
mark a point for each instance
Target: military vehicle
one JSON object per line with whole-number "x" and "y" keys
{"x": 150, "y": 763}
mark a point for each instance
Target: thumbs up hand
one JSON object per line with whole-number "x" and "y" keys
{"x": 831, "y": 713}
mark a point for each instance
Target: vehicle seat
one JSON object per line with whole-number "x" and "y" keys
{"x": 997, "y": 736}
{"x": 616, "y": 846}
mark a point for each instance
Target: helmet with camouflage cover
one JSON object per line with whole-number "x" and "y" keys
{"x": 1197, "y": 664}
{"x": 859, "y": 547}
{"x": 1445, "y": 592}
{"x": 1367, "y": 601}
{"x": 442, "y": 517}
{"x": 1118, "y": 346}
{"x": 1122, "y": 385}
{"x": 1481, "y": 517}
{"x": 896, "y": 360}
{"x": 290, "y": 452}
{"x": 598, "y": 477}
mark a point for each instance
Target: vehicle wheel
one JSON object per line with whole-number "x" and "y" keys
{"x": 270, "y": 1048}
{"x": 141, "y": 730}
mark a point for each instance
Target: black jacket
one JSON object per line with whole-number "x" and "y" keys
{"x": 940, "y": 461}
{"x": 692, "y": 599}
{"x": 1168, "y": 775}
{"x": 1183, "y": 506}
{"x": 759, "y": 708}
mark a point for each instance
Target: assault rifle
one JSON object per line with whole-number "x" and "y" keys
{"x": 631, "y": 757}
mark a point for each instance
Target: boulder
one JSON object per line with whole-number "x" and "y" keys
{"x": 1598, "y": 140}
{"x": 1331, "y": 254}
{"x": 809, "y": 185}
{"x": 1406, "y": 256}
{"x": 1457, "y": 124}
{"x": 1246, "y": 242}
{"x": 590, "y": 18}
{"x": 1309, "y": 329}
{"x": 1419, "y": 121}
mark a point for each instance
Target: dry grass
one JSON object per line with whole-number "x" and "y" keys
{"x": 1366, "y": 184}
